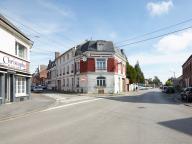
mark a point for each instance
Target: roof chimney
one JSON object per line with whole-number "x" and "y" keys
{"x": 57, "y": 54}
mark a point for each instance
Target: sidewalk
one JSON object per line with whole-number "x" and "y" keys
{"x": 15, "y": 109}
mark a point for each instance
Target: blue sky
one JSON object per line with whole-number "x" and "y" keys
{"x": 57, "y": 25}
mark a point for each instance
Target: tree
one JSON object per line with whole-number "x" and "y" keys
{"x": 131, "y": 73}
{"x": 169, "y": 82}
{"x": 150, "y": 81}
{"x": 139, "y": 74}
{"x": 156, "y": 81}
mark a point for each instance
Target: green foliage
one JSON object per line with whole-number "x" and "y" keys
{"x": 140, "y": 76}
{"x": 156, "y": 81}
{"x": 169, "y": 82}
{"x": 131, "y": 73}
{"x": 134, "y": 74}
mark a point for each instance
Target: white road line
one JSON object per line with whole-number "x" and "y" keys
{"x": 62, "y": 106}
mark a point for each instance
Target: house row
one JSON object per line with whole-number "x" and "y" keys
{"x": 187, "y": 73}
{"x": 91, "y": 67}
{"x": 185, "y": 80}
{"x": 14, "y": 63}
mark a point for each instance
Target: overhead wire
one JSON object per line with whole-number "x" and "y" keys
{"x": 155, "y": 31}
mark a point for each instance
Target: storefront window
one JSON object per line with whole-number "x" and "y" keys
{"x": 21, "y": 85}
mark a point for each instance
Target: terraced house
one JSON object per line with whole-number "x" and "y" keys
{"x": 92, "y": 67}
{"x": 14, "y": 63}
{"x": 187, "y": 72}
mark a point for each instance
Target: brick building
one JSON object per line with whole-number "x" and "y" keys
{"x": 40, "y": 76}
{"x": 92, "y": 67}
{"x": 187, "y": 72}
{"x": 51, "y": 75}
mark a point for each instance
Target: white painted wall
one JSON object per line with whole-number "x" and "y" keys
{"x": 92, "y": 82}
{"x": 7, "y": 41}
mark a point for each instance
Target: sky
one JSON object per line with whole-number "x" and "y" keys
{"x": 57, "y": 25}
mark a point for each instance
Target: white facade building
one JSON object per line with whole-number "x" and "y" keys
{"x": 14, "y": 63}
{"x": 92, "y": 67}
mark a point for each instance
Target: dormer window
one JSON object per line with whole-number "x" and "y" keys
{"x": 20, "y": 50}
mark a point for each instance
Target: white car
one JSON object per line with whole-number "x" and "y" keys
{"x": 38, "y": 89}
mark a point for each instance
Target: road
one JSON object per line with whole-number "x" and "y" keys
{"x": 147, "y": 118}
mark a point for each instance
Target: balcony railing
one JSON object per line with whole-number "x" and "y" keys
{"x": 101, "y": 68}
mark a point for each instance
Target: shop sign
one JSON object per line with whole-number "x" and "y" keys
{"x": 12, "y": 62}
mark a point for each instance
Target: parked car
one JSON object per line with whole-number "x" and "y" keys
{"x": 186, "y": 94}
{"x": 44, "y": 87}
{"x": 37, "y": 89}
{"x": 164, "y": 89}
{"x": 183, "y": 94}
{"x": 169, "y": 89}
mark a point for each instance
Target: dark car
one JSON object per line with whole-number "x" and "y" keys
{"x": 186, "y": 94}
{"x": 164, "y": 89}
{"x": 183, "y": 94}
{"x": 189, "y": 94}
{"x": 169, "y": 89}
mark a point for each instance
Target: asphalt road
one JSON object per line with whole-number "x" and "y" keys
{"x": 148, "y": 118}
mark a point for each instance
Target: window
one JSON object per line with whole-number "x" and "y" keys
{"x": 77, "y": 82}
{"x": 67, "y": 81}
{"x": 20, "y": 50}
{"x": 72, "y": 68}
{"x": 64, "y": 71}
{"x": 72, "y": 81}
{"x": 101, "y": 81}
{"x": 77, "y": 66}
{"x": 67, "y": 56}
{"x": 67, "y": 69}
{"x": 20, "y": 85}
{"x": 101, "y": 64}
{"x": 64, "y": 82}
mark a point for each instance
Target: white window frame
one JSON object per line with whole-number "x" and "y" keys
{"x": 17, "y": 53}
{"x": 101, "y": 64}
{"x": 20, "y": 86}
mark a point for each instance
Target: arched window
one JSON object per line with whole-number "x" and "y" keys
{"x": 101, "y": 81}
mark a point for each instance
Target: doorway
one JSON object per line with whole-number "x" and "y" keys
{"x": 9, "y": 83}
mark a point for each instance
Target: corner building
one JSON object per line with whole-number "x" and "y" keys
{"x": 93, "y": 67}
{"x": 14, "y": 63}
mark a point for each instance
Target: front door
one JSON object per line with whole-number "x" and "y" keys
{"x": 8, "y": 88}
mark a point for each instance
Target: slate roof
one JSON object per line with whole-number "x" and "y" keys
{"x": 100, "y": 46}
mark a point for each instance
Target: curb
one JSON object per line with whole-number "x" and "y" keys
{"x": 27, "y": 113}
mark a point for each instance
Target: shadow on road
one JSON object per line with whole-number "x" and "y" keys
{"x": 156, "y": 97}
{"x": 181, "y": 125}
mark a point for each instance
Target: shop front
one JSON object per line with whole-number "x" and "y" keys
{"x": 14, "y": 79}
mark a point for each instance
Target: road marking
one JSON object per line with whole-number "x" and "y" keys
{"x": 62, "y": 106}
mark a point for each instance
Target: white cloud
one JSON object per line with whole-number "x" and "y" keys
{"x": 158, "y": 8}
{"x": 158, "y": 58}
{"x": 160, "y": 64}
{"x": 175, "y": 42}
